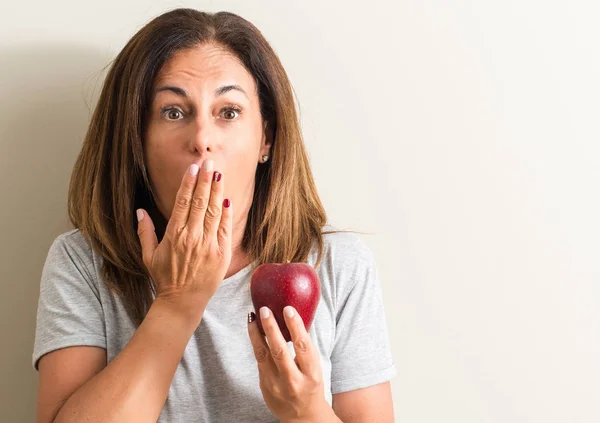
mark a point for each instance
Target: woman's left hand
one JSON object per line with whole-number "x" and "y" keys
{"x": 292, "y": 388}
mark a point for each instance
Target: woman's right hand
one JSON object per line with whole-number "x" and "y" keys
{"x": 192, "y": 258}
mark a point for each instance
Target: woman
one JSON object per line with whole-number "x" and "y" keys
{"x": 193, "y": 172}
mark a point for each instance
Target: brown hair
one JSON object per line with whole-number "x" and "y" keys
{"x": 109, "y": 180}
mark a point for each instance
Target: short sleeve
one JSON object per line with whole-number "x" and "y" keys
{"x": 69, "y": 308}
{"x": 361, "y": 354}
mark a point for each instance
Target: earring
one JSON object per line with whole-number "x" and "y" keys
{"x": 265, "y": 158}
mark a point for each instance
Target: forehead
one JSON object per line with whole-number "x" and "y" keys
{"x": 208, "y": 65}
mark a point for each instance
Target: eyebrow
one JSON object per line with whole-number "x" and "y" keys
{"x": 218, "y": 92}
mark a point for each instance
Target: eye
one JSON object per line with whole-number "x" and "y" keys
{"x": 230, "y": 112}
{"x": 172, "y": 113}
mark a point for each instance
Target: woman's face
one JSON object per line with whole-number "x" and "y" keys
{"x": 205, "y": 106}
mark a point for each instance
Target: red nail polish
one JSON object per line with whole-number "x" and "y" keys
{"x": 217, "y": 177}
{"x": 226, "y": 203}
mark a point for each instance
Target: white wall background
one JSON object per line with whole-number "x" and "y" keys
{"x": 464, "y": 134}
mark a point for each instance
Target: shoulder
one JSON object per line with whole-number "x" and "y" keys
{"x": 342, "y": 248}
{"x": 347, "y": 263}
{"x": 71, "y": 254}
{"x": 72, "y": 245}
{"x": 74, "y": 240}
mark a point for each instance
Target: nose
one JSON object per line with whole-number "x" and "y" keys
{"x": 202, "y": 137}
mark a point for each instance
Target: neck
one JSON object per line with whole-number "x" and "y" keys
{"x": 239, "y": 257}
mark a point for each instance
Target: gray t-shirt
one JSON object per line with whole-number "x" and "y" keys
{"x": 217, "y": 378}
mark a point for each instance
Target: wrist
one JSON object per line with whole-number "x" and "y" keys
{"x": 186, "y": 313}
{"x": 324, "y": 414}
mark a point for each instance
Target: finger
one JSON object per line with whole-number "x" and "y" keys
{"x": 306, "y": 355}
{"x": 260, "y": 347}
{"x": 215, "y": 204}
{"x": 224, "y": 232}
{"x": 200, "y": 198}
{"x": 181, "y": 209}
{"x": 147, "y": 235}
{"x": 277, "y": 346}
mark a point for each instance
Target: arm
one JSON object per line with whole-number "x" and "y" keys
{"x": 187, "y": 267}
{"x": 362, "y": 362}
{"x": 367, "y": 405}
{"x": 293, "y": 388}
{"x": 133, "y": 387}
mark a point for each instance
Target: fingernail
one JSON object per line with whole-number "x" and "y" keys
{"x": 251, "y": 317}
{"x": 208, "y": 165}
{"x": 217, "y": 177}
{"x": 264, "y": 312}
{"x": 289, "y": 312}
{"x": 194, "y": 169}
{"x": 140, "y": 214}
{"x": 226, "y": 203}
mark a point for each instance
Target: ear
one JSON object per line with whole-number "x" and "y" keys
{"x": 267, "y": 140}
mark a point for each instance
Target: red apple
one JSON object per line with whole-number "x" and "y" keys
{"x": 277, "y": 285}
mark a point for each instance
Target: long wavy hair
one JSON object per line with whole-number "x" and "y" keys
{"x": 110, "y": 180}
